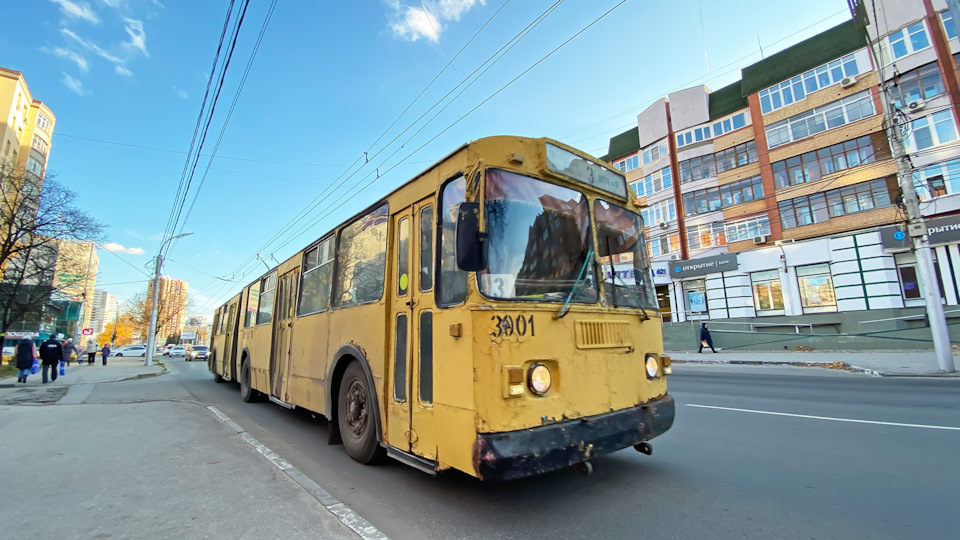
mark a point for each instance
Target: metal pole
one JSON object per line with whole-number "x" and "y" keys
{"x": 152, "y": 328}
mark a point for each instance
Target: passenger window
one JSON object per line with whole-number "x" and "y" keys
{"x": 253, "y": 299}
{"x": 361, "y": 260}
{"x": 317, "y": 277}
{"x": 400, "y": 360}
{"x": 403, "y": 256}
{"x": 426, "y": 356}
{"x": 267, "y": 292}
{"x": 426, "y": 249}
{"x": 452, "y": 282}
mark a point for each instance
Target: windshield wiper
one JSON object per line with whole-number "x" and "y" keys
{"x": 576, "y": 285}
{"x": 613, "y": 285}
{"x": 635, "y": 297}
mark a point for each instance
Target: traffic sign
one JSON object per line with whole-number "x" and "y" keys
{"x": 88, "y": 331}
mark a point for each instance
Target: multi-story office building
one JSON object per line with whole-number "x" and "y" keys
{"x": 26, "y": 125}
{"x": 75, "y": 276}
{"x": 104, "y": 311}
{"x": 778, "y": 195}
{"x": 172, "y": 305}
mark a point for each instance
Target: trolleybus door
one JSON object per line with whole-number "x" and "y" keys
{"x": 399, "y": 287}
{"x": 283, "y": 330}
{"x": 422, "y": 425}
{"x": 230, "y": 341}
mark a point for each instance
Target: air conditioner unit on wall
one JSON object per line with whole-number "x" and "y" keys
{"x": 762, "y": 239}
{"x": 847, "y": 82}
{"x": 916, "y": 105}
{"x": 664, "y": 225}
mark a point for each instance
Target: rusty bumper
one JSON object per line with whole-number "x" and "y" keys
{"x": 517, "y": 454}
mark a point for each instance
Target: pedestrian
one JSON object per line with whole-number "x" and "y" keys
{"x": 68, "y": 350}
{"x": 51, "y": 352}
{"x": 105, "y": 353}
{"x": 91, "y": 351}
{"x": 26, "y": 352}
{"x": 705, "y": 338}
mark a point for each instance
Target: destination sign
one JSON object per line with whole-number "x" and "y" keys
{"x": 569, "y": 164}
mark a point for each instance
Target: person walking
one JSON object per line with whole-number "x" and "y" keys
{"x": 105, "y": 352}
{"x": 51, "y": 352}
{"x": 91, "y": 351}
{"x": 68, "y": 350}
{"x": 26, "y": 352}
{"x": 705, "y": 338}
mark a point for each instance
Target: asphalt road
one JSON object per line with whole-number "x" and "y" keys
{"x": 719, "y": 473}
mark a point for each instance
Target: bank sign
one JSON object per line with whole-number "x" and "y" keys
{"x": 704, "y": 266}
{"x": 941, "y": 230}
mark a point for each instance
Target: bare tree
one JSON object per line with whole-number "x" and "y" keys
{"x": 138, "y": 308}
{"x": 36, "y": 216}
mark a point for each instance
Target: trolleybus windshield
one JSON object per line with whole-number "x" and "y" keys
{"x": 623, "y": 257}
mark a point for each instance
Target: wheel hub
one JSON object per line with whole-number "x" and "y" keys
{"x": 356, "y": 408}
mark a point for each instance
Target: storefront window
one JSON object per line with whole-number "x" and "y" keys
{"x": 816, "y": 288}
{"x": 695, "y": 296}
{"x": 767, "y": 293}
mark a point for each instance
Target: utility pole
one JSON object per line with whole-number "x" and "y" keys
{"x": 152, "y": 328}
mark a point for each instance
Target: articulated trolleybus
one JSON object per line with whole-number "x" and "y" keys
{"x": 493, "y": 315}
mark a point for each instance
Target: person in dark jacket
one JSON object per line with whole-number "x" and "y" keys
{"x": 68, "y": 350}
{"x": 26, "y": 352}
{"x": 51, "y": 352}
{"x": 705, "y": 338}
{"x": 105, "y": 352}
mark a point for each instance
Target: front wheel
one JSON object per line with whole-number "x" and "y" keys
{"x": 119, "y": 355}
{"x": 357, "y": 416}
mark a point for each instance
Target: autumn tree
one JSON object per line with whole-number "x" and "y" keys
{"x": 37, "y": 215}
{"x": 121, "y": 331}
{"x": 138, "y": 310}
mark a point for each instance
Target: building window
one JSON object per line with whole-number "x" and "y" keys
{"x": 706, "y": 235}
{"x": 829, "y": 116}
{"x": 729, "y": 124}
{"x": 811, "y": 166}
{"x": 660, "y": 212}
{"x": 713, "y": 199}
{"x": 653, "y": 183}
{"x": 44, "y": 123}
{"x": 34, "y": 166}
{"x": 627, "y": 164}
{"x": 921, "y": 83}
{"x": 816, "y": 288}
{"x": 908, "y": 272}
{"x": 698, "y": 168}
{"x": 746, "y": 229}
{"x": 947, "y": 19}
{"x": 931, "y": 130}
{"x": 821, "y": 207}
{"x": 39, "y": 144}
{"x": 695, "y": 295}
{"x": 655, "y": 152}
{"x": 903, "y": 42}
{"x": 705, "y": 133}
{"x": 767, "y": 293}
{"x": 736, "y": 156}
{"x": 938, "y": 179}
{"x": 663, "y": 245}
{"x": 797, "y": 88}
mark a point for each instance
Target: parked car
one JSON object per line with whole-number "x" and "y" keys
{"x": 197, "y": 352}
{"x": 176, "y": 351}
{"x": 166, "y": 350}
{"x": 131, "y": 350}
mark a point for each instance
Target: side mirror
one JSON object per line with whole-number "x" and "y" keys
{"x": 470, "y": 248}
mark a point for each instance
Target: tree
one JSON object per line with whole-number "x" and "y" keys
{"x": 124, "y": 328}
{"x": 36, "y": 216}
{"x": 138, "y": 309}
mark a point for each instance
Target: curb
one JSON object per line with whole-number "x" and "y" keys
{"x": 846, "y": 367}
{"x": 347, "y": 516}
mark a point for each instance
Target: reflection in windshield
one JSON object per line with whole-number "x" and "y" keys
{"x": 538, "y": 238}
{"x": 623, "y": 254}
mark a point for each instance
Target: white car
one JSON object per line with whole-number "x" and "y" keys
{"x": 130, "y": 350}
{"x": 177, "y": 351}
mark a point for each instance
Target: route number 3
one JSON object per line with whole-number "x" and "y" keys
{"x": 507, "y": 326}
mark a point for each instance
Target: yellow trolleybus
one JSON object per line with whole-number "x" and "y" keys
{"x": 493, "y": 315}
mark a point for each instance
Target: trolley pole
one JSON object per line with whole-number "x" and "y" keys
{"x": 152, "y": 328}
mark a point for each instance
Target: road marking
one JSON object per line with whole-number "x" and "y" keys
{"x": 852, "y": 420}
{"x": 344, "y": 513}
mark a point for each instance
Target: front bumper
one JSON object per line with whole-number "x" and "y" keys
{"x": 517, "y": 454}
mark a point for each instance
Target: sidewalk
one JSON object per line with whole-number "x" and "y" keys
{"x": 881, "y": 363}
{"x": 117, "y": 369}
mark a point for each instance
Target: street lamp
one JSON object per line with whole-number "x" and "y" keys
{"x": 152, "y": 329}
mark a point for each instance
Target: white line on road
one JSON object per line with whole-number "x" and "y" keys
{"x": 855, "y": 421}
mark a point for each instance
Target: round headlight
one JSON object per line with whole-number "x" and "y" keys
{"x": 653, "y": 367}
{"x": 539, "y": 379}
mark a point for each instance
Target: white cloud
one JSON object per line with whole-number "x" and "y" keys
{"x": 73, "y": 56}
{"x": 118, "y": 248}
{"x": 77, "y": 10}
{"x": 138, "y": 38}
{"x": 91, "y": 46}
{"x": 115, "y": 4}
{"x": 426, "y": 20}
{"x": 123, "y": 71}
{"x": 181, "y": 93}
{"x": 73, "y": 84}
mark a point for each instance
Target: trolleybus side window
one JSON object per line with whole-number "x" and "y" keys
{"x": 361, "y": 260}
{"x": 400, "y": 360}
{"x": 403, "y": 256}
{"x": 317, "y": 278}
{"x": 426, "y": 249}
{"x": 426, "y": 357}
{"x": 267, "y": 291}
{"x": 253, "y": 300}
{"x": 451, "y": 282}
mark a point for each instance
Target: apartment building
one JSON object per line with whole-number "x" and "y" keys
{"x": 26, "y": 125}
{"x": 172, "y": 312}
{"x": 75, "y": 277}
{"x": 103, "y": 312}
{"x": 778, "y": 196}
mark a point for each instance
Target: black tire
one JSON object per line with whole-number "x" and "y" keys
{"x": 118, "y": 355}
{"x": 247, "y": 393}
{"x": 357, "y": 416}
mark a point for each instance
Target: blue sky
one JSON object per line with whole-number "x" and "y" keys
{"x": 125, "y": 79}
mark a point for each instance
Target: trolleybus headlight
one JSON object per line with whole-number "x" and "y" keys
{"x": 653, "y": 367}
{"x": 539, "y": 379}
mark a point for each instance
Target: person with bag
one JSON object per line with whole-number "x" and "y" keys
{"x": 105, "y": 352}
{"x": 68, "y": 350}
{"x": 51, "y": 353}
{"x": 705, "y": 339}
{"x": 91, "y": 351}
{"x": 26, "y": 353}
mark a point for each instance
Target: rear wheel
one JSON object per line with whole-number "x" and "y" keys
{"x": 247, "y": 393}
{"x": 357, "y": 416}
